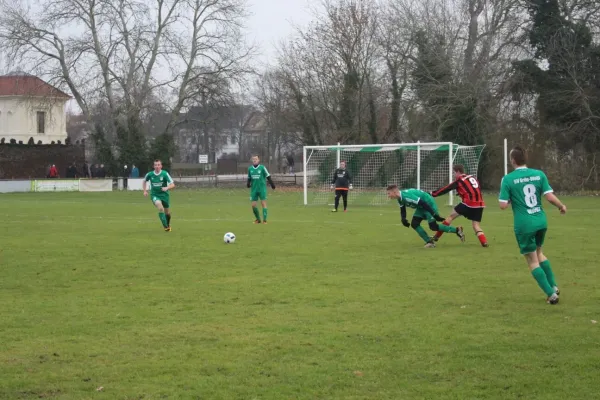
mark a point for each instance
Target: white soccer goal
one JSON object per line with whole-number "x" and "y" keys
{"x": 425, "y": 166}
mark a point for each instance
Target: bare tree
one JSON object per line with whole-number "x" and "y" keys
{"x": 126, "y": 50}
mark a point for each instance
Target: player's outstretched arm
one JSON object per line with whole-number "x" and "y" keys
{"x": 551, "y": 197}
{"x": 445, "y": 189}
{"x": 504, "y": 198}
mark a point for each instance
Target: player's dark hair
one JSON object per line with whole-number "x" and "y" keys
{"x": 459, "y": 168}
{"x": 392, "y": 187}
{"x": 157, "y": 160}
{"x": 518, "y": 155}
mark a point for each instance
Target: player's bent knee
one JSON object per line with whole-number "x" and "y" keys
{"x": 415, "y": 224}
{"x": 434, "y": 226}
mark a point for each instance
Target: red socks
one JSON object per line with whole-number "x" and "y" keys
{"x": 482, "y": 238}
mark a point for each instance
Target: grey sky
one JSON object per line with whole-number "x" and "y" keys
{"x": 274, "y": 20}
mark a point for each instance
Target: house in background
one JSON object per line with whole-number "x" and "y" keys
{"x": 31, "y": 108}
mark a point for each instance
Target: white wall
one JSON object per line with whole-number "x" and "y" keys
{"x": 18, "y": 119}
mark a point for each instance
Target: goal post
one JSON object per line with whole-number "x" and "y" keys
{"x": 421, "y": 165}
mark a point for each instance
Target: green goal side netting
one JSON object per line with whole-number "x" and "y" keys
{"x": 425, "y": 166}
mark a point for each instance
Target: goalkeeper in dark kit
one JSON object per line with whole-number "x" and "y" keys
{"x": 341, "y": 182}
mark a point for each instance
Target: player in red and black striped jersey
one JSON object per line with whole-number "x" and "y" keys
{"x": 472, "y": 204}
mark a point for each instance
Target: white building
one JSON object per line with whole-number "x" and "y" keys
{"x": 31, "y": 108}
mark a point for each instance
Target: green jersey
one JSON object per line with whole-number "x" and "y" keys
{"x": 258, "y": 176}
{"x": 524, "y": 188}
{"x": 158, "y": 181}
{"x": 410, "y": 198}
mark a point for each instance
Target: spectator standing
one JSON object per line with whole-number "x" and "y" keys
{"x": 53, "y": 173}
{"x": 86, "y": 170}
{"x": 72, "y": 171}
{"x": 135, "y": 172}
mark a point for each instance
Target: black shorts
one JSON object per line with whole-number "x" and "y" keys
{"x": 470, "y": 213}
{"x": 341, "y": 192}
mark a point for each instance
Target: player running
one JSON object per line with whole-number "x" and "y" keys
{"x": 524, "y": 188}
{"x": 160, "y": 184}
{"x": 342, "y": 182}
{"x": 472, "y": 204}
{"x": 257, "y": 182}
{"x": 425, "y": 208}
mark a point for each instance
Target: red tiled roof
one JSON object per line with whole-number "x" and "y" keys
{"x": 28, "y": 85}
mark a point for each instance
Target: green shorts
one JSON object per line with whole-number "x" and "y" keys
{"x": 529, "y": 242}
{"x": 163, "y": 198}
{"x": 422, "y": 214}
{"x": 258, "y": 194}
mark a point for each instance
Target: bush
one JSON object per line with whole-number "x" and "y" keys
{"x": 39, "y": 142}
{"x": 31, "y": 142}
{"x": 13, "y": 141}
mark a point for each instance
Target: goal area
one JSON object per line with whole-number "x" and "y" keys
{"x": 425, "y": 166}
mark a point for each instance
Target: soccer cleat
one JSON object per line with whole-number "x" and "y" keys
{"x": 264, "y": 222}
{"x": 334, "y": 210}
{"x": 430, "y": 245}
{"x": 556, "y": 290}
{"x": 257, "y": 221}
{"x": 552, "y": 299}
{"x": 168, "y": 229}
{"x": 460, "y": 233}
{"x": 345, "y": 210}
{"x": 434, "y": 238}
{"x": 485, "y": 245}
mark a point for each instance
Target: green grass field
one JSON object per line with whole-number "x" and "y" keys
{"x": 315, "y": 305}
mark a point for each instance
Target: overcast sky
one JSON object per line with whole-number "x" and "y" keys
{"x": 274, "y": 20}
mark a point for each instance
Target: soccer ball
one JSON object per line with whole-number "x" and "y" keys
{"x": 229, "y": 237}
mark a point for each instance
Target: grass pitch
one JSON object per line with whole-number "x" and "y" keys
{"x": 97, "y": 302}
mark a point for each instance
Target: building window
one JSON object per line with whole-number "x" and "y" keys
{"x": 41, "y": 122}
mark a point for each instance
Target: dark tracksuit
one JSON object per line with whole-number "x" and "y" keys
{"x": 342, "y": 181}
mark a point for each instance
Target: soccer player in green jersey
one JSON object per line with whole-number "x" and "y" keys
{"x": 425, "y": 209}
{"x": 160, "y": 184}
{"x": 523, "y": 188}
{"x": 257, "y": 182}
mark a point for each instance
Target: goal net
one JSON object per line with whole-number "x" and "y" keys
{"x": 425, "y": 166}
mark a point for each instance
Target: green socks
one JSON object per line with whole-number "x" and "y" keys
{"x": 163, "y": 219}
{"x": 446, "y": 228}
{"x": 256, "y": 215}
{"x": 540, "y": 276}
{"x": 545, "y": 265}
{"x": 423, "y": 234}
{"x": 264, "y": 214}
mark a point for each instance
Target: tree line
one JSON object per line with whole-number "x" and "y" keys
{"x": 466, "y": 71}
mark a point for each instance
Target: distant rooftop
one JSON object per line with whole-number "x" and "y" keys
{"x": 19, "y": 83}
